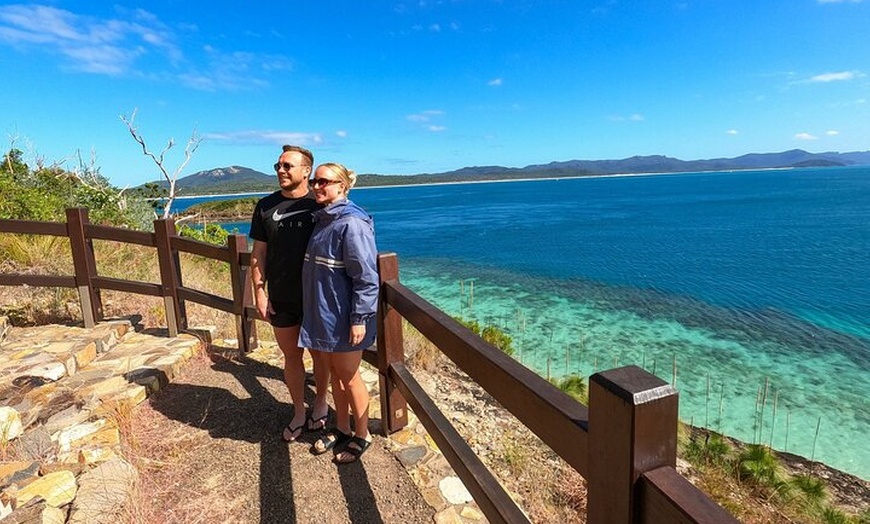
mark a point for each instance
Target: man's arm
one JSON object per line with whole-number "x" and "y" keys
{"x": 258, "y": 278}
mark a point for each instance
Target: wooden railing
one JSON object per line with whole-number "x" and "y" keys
{"x": 624, "y": 443}
{"x": 168, "y": 245}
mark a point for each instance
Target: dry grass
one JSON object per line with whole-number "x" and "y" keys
{"x": 157, "y": 449}
{"x": 44, "y": 255}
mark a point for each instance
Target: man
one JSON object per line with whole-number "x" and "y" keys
{"x": 280, "y": 227}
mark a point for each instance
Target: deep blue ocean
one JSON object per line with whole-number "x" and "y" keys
{"x": 750, "y": 290}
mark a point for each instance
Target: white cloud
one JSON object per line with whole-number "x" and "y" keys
{"x": 436, "y": 128}
{"x": 267, "y": 137}
{"x": 424, "y": 116}
{"x": 832, "y": 132}
{"x": 836, "y": 77}
{"x": 495, "y": 82}
{"x": 805, "y": 136}
{"x": 435, "y": 28}
{"x": 732, "y": 132}
{"x": 91, "y": 45}
{"x": 636, "y": 117}
{"x": 341, "y": 133}
{"x": 120, "y": 47}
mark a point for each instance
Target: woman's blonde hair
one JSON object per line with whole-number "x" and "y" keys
{"x": 346, "y": 175}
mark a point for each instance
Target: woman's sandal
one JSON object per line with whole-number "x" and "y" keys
{"x": 356, "y": 447}
{"x": 330, "y": 440}
{"x": 295, "y": 433}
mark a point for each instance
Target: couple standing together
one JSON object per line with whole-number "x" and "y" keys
{"x": 314, "y": 271}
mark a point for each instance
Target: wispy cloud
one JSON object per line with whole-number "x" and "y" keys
{"x": 832, "y": 132}
{"x": 805, "y": 136}
{"x": 268, "y": 137}
{"x": 233, "y": 71}
{"x": 424, "y": 116}
{"x": 495, "y": 82}
{"x": 121, "y": 46}
{"x": 732, "y": 132}
{"x": 636, "y": 117}
{"x": 840, "y": 76}
{"x": 90, "y": 45}
{"x": 341, "y": 133}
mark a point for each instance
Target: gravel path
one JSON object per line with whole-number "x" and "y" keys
{"x": 208, "y": 448}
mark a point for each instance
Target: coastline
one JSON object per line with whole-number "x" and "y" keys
{"x": 507, "y": 180}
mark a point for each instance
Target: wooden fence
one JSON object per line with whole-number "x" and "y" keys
{"x": 624, "y": 443}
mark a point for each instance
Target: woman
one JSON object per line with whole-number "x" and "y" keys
{"x": 340, "y": 300}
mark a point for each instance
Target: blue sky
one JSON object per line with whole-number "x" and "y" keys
{"x": 430, "y": 86}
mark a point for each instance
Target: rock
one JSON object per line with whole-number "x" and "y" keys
{"x": 37, "y": 511}
{"x": 471, "y": 513}
{"x": 103, "y": 493}
{"x": 18, "y": 472}
{"x": 36, "y": 444}
{"x": 454, "y": 490}
{"x": 56, "y": 489}
{"x": 96, "y": 432}
{"x": 411, "y": 456}
{"x": 447, "y": 516}
{"x": 10, "y": 424}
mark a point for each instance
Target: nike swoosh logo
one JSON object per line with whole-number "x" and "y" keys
{"x": 277, "y": 217}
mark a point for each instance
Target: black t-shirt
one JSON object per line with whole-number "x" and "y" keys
{"x": 285, "y": 224}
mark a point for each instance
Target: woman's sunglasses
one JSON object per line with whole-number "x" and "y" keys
{"x": 318, "y": 183}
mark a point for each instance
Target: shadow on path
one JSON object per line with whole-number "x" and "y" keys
{"x": 288, "y": 474}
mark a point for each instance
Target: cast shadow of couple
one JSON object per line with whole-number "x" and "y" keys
{"x": 260, "y": 419}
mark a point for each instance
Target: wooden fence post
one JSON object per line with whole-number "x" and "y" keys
{"x": 632, "y": 430}
{"x": 242, "y": 293}
{"x": 85, "y": 266}
{"x": 394, "y": 408}
{"x": 170, "y": 276}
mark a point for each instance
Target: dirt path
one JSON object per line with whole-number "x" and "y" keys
{"x": 208, "y": 448}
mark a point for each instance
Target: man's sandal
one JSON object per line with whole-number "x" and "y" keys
{"x": 295, "y": 433}
{"x": 315, "y": 424}
{"x": 330, "y": 440}
{"x": 355, "y": 448}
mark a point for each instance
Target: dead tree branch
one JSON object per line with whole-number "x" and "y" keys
{"x": 171, "y": 179}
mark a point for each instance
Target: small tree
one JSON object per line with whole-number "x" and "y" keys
{"x": 192, "y": 144}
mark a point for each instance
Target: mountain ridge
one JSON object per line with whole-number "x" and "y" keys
{"x": 239, "y": 179}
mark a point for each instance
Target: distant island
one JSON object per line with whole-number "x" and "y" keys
{"x": 237, "y": 179}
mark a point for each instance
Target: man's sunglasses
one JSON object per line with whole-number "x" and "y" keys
{"x": 318, "y": 183}
{"x": 286, "y": 165}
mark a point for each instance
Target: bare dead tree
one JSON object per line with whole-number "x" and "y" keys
{"x": 192, "y": 144}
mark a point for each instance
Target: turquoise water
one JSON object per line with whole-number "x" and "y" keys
{"x": 738, "y": 286}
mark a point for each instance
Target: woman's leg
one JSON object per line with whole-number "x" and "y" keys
{"x": 345, "y": 366}
{"x": 339, "y": 395}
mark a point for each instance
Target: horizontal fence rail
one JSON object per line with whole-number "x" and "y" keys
{"x": 167, "y": 245}
{"x": 624, "y": 443}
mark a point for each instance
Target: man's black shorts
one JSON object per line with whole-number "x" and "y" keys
{"x": 287, "y": 314}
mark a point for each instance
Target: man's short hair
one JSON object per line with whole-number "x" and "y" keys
{"x": 299, "y": 149}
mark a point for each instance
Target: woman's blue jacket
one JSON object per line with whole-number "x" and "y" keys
{"x": 339, "y": 279}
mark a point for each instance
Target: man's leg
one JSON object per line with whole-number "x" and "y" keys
{"x": 294, "y": 377}
{"x": 319, "y": 409}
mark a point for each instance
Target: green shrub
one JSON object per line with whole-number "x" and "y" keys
{"x": 712, "y": 450}
{"x": 44, "y": 194}
{"x": 573, "y": 385}
{"x": 211, "y": 233}
{"x": 491, "y": 334}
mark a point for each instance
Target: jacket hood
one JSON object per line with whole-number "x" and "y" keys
{"x": 343, "y": 208}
